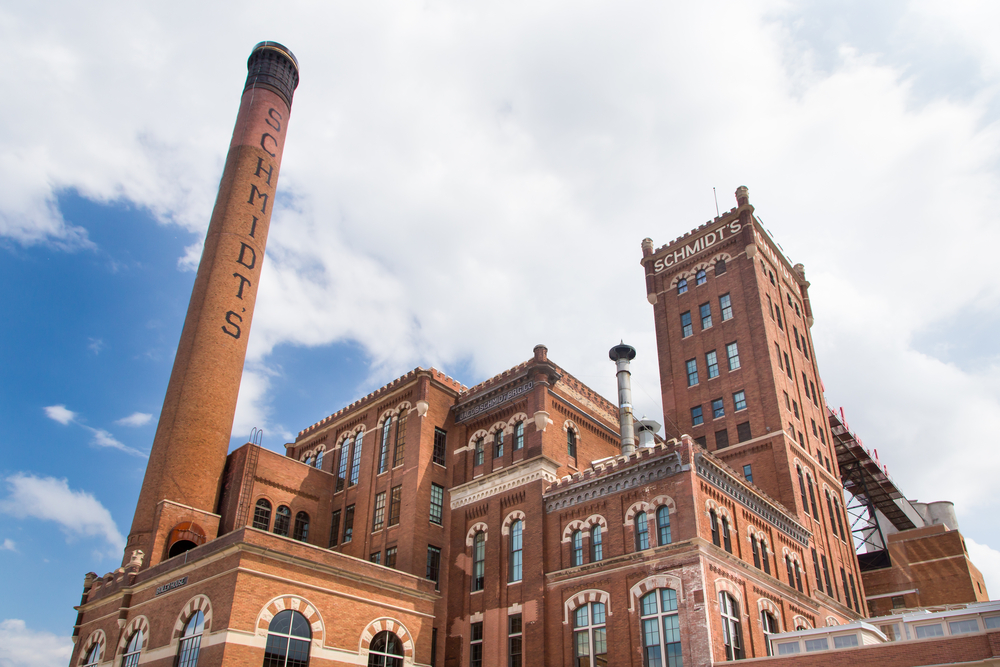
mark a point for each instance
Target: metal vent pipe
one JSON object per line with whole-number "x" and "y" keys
{"x": 622, "y": 354}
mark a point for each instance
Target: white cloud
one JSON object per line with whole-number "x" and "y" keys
{"x": 60, "y": 414}
{"x": 95, "y": 345}
{"x": 31, "y": 648}
{"x": 987, "y": 560}
{"x": 103, "y": 438}
{"x": 135, "y": 419}
{"x": 77, "y": 513}
{"x": 8, "y": 545}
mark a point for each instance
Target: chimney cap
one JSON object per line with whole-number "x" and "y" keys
{"x": 622, "y": 351}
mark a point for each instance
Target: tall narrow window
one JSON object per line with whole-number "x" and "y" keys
{"x": 571, "y": 442}
{"x": 733, "y": 353}
{"x": 342, "y": 470}
{"x": 770, "y": 625}
{"x": 518, "y": 436}
{"x": 596, "y": 544}
{"x": 840, "y": 522}
{"x": 288, "y": 639}
{"x": 713, "y": 520}
{"x": 356, "y": 460}
{"x": 770, "y": 307}
{"x": 433, "y": 564}
{"x": 732, "y": 634}
{"x": 190, "y": 643}
{"x": 348, "y": 524}
{"x": 478, "y": 561}
{"x": 788, "y": 366}
{"x": 802, "y": 490}
{"x": 390, "y": 557}
{"x": 440, "y": 439}
{"x": 395, "y": 498}
{"x": 132, "y": 650}
{"x": 479, "y": 452}
{"x": 826, "y": 575}
{"x": 590, "y": 640}
{"x": 748, "y": 473}
{"x": 516, "y": 551}
{"x": 764, "y": 558}
{"x": 476, "y": 645}
{"x": 726, "y": 306}
{"x": 576, "y": 548}
{"x": 756, "y": 551}
{"x": 854, "y": 592}
{"x": 847, "y": 592}
{"x": 777, "y": 316}
{"x": 262, "y": 515}
{"x": 705, "y": 312}
{"x": 335, "y": 529}
{"x": 798, "y": 576}
{"x": 727, "y": 541}
{"x": 378, "y": 516}
{"x": 93, "y": 656}
{"x": 812, "y": 498}
{"x": 641, "y": 532}
{"x": 282, "y": 521}
{"x": 686, "y": 328}
{"x": 385, "y": 650}
{"x": 437, "y": 503}
{"x": 682, "y": 286}
{"x": 399, "y": 451}
{"x": 662, "y": 525}
{"x": 700, "y": 278}
{"x": 659, "y": 614}
{"x": 819, "y": 580}
{"x": 790, "y": 571}
{"x": 712, "y": 361}
{"x": 795, "y": 332}
{"x": 319, "y": 460}
{"x": 301, "y": 530}
{"x": 498, "y": 444}
{"x": 692, "y": 372}
{"x": 383, "y": 454}
{"x": 514, "y": 646}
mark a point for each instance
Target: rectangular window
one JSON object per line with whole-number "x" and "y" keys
{"x": 802, "y": 441}
{"x": 795, "y": 409}
{"x": 686, "y": 328}
{"x": 805, "y": 384}
{"x": 355, "y": 461}
{"x": 700, "y": 440}
{"x": 733, "y": 353}
{"x": 712, "y": 361}
{"x": 961, "y": 627}
{"x": 433, "y": 563}
{"x": 748, "y": 473}
{"x": 348, "y": 523}
{"x": 400, "y": 448}
{"x": 476, "y": 645}
{"x": 777, "y": 312}
{"x": 375, "y": 557}
{"x": 705, "y": 310}
{"x": 518, "y": 436}
{"x": 721, "y": 439}
{"x": 440, "y": 438}
{"x": 335, "y": 529}
{"x": 718, "y": 410}
{"x": 498, "y": 444}
{"x": 788, "y": 401}
{"x": 437, "y": 503}
{"x": 788, "y": 367}
{"x": 798, "y": 344}
{"x": 740, "y": 401}
{"x": 342, "y": 470}
{"x": 777, "y": 352}
{"x": 770, "y": 307}
{"x": 812, "y": 387}
{"x": 726, "y": 306}
{"x": 692, "y": 371}
{"x": 378, "y": 518}
{"x": 817, "y": 644}
{"x": 514, "y": 645}
{"x": 390, "y": 557}
{"x": 479, "y": 452}
{"x": 743, "y": 432}
{"x": 819, "y": 581}
{"x": 434, "y": 646}
{"x": 925, "y": 631}
{"x": 813, "y": 422}
{"x": 394, "y": 500}
{"x": 845, "y": 641}
{"x": 826, "y": 575}
{"x": 383, "y": 452}
{"x": 696, "y": 417}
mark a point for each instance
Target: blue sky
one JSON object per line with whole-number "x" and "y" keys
{"x": 460, "y": 183}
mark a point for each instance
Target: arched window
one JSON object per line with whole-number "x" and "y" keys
{"x": 713, "y": 519}
{"x": 94, "y": 656}
{"x": 700, "y": 278}
{"x": 262, "y": 515}
{"x": 770, "y": 626}
{"x": 765, "y": 559}
{"x": 661, "y": 633}
{"x": 791, "y": 573}
{"x": 308, "y": 460}
{"x": 356, "y": 460}
{"x": 518, "y": 436}
{"x": 682, "y": 286}
{"x": 383, "y": 454}
{"x": 576, "y": 557}
{"x": 301, "y": 532}
{"x": 756, "y": 551}
{"x": 288, "y": 637}
{"x": 641, "y": 532}
{"x": 596, "y": 544}
{"x": 732, "y": 636}
{"x": 386, "y": 650}
{"x": 590, "y": 639}
{"x": 516, "y": 546}
{"x": 479, "y": 452}
{"x": 478, "y": 561}
{"x": 342, "y": 469}
{"x": 663, "y": 525}
{"x": 282, "y": 519}
{"x": 498, "y": 444}
{"x": 131, "y": 656}
{"x": 727, "y": 542}
{"x": 190, "y": 645}
{"x": 319, "y": 459}
{"x": 798, "y": 577}
{"x": 571, "y": 442}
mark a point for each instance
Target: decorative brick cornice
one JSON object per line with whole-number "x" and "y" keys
{"x": 537, "y": 469}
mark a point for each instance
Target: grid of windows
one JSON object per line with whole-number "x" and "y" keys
{"x": 686, "y": 328}
{"x": 705, "y": 312}
{"x": 590, "y": 640}
{"x": 395, "y": 498}
{"x": 733, "y": 353}
{"x": 437, "y": 503}
{"x": 440, "y": 438}
{"x": 378, "y": 519}
{"x": 712, "y": 361}
{"x": 726, "y": 306}
{"x": 696, "y": 417}
{"x": 692, "y": 371}
{"x": 661, "y": 633}
{"x": 262, "y": 515}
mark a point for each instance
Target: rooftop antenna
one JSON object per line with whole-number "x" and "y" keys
{"x": 716, "y": 195}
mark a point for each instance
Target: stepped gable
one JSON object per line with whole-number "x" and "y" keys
{"x": 381, "y": 391}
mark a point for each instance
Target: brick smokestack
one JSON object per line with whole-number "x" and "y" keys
{"x": 180, "y": 491}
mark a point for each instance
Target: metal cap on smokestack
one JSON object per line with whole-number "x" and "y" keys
{"x": 647, "y": 428}
{"x": 622, "y": 354}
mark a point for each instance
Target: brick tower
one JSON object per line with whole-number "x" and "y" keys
{"x": 738, "y": 373}
{"x": 177, "y": 506}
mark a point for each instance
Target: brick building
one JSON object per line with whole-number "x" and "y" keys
{"x": 514, "y": 522}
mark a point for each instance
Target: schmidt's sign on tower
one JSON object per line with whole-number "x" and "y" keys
{"x": 706, "y": 240}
